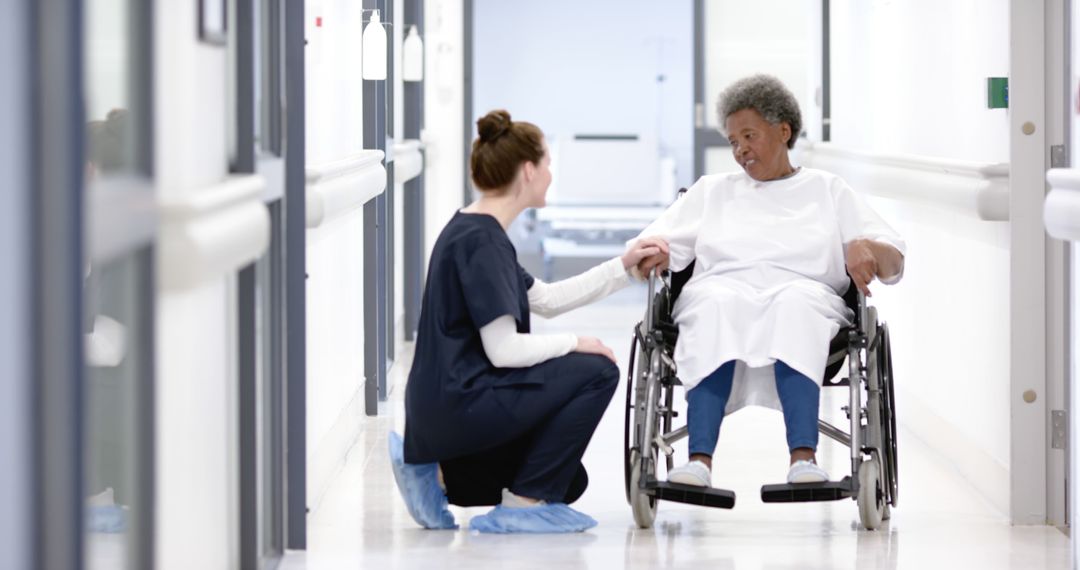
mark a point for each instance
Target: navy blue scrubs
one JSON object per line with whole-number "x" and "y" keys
{"x": 491, "y": 428}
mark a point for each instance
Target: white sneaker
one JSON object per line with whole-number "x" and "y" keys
{"x": 803, "y": 471}
{"x": 695, "y": 473}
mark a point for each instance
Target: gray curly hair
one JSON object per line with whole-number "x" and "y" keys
{"x": 768, "y": 96}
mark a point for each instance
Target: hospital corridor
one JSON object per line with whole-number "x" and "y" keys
{"x": 361, "y": 522}
{"x": 494, "y": 284}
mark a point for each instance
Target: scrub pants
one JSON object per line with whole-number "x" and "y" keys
{"x": 540, "y": 455}
{"x": 800, "y": 398}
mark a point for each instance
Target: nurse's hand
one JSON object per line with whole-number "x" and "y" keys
{"x": 648, "y": 248}
{"x": 653, "y": 252}
{"x": 862, "y": 265}
{"x": 592, "y": 345}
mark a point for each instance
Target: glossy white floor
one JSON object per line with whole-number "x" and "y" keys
{"x": 940, "y": 523}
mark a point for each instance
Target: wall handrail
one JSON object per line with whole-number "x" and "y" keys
{"x": 211, "y": 232}
{"x": 1061, "y": 212}
{"x": 340, "y": 186}
{"x": 408, "y": 160}
{"x": 974, "y": 188}
{"x": 343, "y": 166}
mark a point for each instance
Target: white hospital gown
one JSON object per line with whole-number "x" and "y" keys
{"x": 769, "y": 275}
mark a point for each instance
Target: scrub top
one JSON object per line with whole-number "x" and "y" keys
{"x": 450, "y": 403}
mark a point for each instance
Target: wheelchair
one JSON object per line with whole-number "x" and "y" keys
{"x": 650, "y": 392}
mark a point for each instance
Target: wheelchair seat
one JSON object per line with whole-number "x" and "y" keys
{"x": 837, "y": 346}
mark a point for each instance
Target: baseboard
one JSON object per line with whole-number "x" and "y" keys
{"x": 329, "y": 453}
{"x": 988, "y": 476}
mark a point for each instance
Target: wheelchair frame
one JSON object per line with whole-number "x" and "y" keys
{"x": 651, "y": 382}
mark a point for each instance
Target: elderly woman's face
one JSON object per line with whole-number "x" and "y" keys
{"x": 759, "y": 147}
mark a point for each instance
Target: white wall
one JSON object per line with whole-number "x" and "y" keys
{"x": 399, "y": 263}
{"x": 590, "y": 67}
{"x": 397, "y": 34}
{"x": 334, "y": 89}
{"x": 910, "y": 77}
{"x": 335, "y": 255}
{"x": 335, "y": 341}
{"x": 443, "y": 103}
{"x": 196, "y": 381}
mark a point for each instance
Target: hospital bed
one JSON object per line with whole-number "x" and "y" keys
{"x": 871, "y": 410}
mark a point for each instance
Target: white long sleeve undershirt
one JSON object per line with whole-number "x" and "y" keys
{"x": 553, "y": 299}
{"x": 507, "y": 348}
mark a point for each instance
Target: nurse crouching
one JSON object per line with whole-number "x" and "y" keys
{"x": 495, "y": 415}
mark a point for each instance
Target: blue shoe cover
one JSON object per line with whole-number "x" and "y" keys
{"x": 106, "y": 519}
{"x": 419, "y": 486}
{"x": 546, "y": 518}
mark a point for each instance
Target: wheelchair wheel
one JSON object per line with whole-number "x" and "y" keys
{"x": 644, "y": 453}
{"x": 628, "y": 442}
{"x": 871, "y": 497}
{"x": 890, "y": 471}
{"x": 667, "y": 420}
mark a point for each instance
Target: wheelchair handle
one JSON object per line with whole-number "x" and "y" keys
{"x": 649, "y": 303}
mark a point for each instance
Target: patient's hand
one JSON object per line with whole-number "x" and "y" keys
{"x": 862, "y": 264}
{"x": 643, "y": 249}
{"x": 656, "y": 260}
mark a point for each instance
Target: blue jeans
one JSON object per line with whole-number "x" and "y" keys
{"x": 799, "y": 398}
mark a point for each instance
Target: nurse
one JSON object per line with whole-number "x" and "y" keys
{"x": 496, "y": 415}
{"x": 774, "y": 245}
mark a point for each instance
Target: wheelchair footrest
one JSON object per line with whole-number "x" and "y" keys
{"x": 692, "y": 495}
{"x": 808, "y": 492}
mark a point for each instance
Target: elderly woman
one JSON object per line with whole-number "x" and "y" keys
{"x": 771, "y": 245}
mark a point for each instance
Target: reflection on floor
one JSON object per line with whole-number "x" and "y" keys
{"x": 940, "y": 523}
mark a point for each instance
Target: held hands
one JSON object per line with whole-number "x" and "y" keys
{"x": 647, "y": 254}
{"x": 862, "y": 264}
{"x": 592, "y": 345}
{"x": 643, "y": 249}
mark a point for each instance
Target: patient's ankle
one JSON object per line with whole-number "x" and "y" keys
{"x": 803, "y": 454}
{"x": 706, "y": 459}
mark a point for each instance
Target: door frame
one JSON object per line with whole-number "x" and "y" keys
{"x": 1058, "y": 266}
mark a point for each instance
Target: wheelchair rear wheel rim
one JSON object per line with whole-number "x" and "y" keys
{"x": 628, "y": 444}
{"x": 891, "y": 472}
{"x": 645, "y": 456}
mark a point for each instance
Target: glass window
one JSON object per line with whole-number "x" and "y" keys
{"x": 109, "y": 66}
{"x": 268, "y": 75}
{"x": 117, "y": 398}
{"x": 269, "y": 389}
{"x": 114, "y": 404}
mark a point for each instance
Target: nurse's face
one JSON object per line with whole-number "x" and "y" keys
{"x": 540, "y": 180}
{"x": 759, "y": 147}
